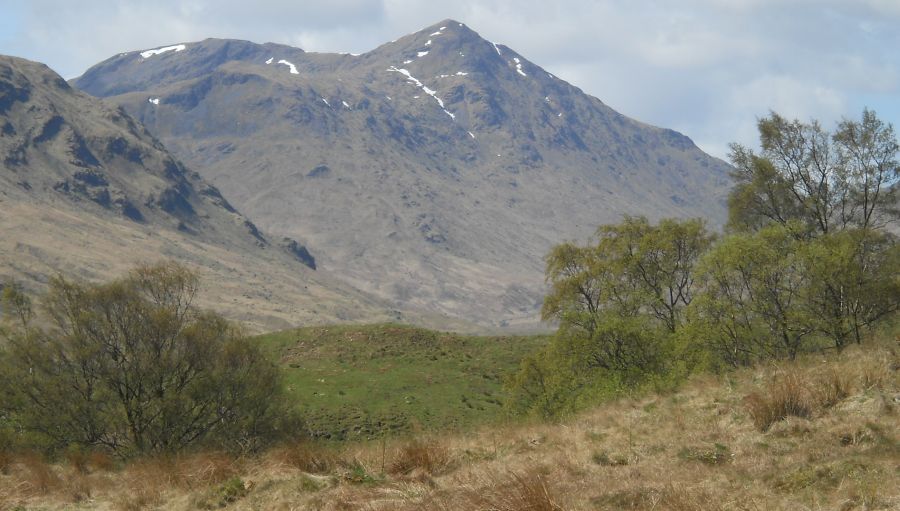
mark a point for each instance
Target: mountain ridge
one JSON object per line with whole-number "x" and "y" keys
{"x": 87, "y": 192}
{"x": 434, "y": 171}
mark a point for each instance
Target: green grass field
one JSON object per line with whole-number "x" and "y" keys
{"x": 359, "y": 382}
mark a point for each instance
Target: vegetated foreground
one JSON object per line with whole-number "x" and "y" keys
{"x": 359, "y": 382}
{"x": 818, "y": 433}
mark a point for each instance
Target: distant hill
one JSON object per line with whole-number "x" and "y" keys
{"x": 86, "y": 191}
{"x": 434, "y": 171}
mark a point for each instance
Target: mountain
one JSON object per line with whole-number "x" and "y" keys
{"x": 85, "y": 190}
{"x": 434, "y": 171}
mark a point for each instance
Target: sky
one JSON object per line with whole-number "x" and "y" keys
{"x": 707, "y": 68}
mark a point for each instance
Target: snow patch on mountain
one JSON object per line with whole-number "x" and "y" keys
{"x": 288, "y": 64}
{"x": 519, "y": 66}
{"x": 425, "y": 89}
{"x": 149, "y": 53}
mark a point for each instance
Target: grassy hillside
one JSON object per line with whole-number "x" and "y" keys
{"x": 357, "y": 382}
{"x": 821, "y": 433}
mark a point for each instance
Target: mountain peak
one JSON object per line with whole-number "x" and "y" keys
{"x": 446, "y": 145}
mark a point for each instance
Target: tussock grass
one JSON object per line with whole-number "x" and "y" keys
{"x": 426, "y": 455}
{"x": 784, "y": 397}
{"x": 308, "y": 457}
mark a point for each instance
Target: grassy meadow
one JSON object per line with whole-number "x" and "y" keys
{"x": 360, "y": 382}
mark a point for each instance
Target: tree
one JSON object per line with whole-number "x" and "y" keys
{"x": 634, "y": 269}
{"x": 853, "y": 282}
{"x": 826, "y": 182}
{"x": 836, "y": 192}
{"x": 131, "y": 366}
{"x": 618, "y": 303}
{"x": 752, "y": 302}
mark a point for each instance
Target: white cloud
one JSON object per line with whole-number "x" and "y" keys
{"x": 708, "y": 68}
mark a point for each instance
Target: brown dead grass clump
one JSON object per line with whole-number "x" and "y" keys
{"x": 101, "y": 461}
{"x": 784, "y": 397}
{"x": 428, "y": 456}
{"x": 148, "y": 479}
{"x": 527, "y": 491}
{"x": 206, "y": 469}
{"x": 6, "y": 460}
{"x": 39, "y": 476}
{"x": 831, "y": 387}
{"x": 307, "y": 457}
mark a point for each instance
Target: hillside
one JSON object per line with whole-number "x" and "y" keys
{"x": 434, "y": 171}
{"x": 359, "y": 382}
{"x": 86, "y": 191}
{"x": 703, "y": 447}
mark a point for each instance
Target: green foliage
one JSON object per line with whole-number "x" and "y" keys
{"x": 751, "y": 305}
{"x": 226, "y": 493}
{"x": 131, "y": 367}
{"x": 809, "y": 263}
{"x": 619, "y": 304}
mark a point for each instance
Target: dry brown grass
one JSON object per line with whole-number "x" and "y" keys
{"x": 701, "y": 448}
{"x": 100, "y": 461}
{"x": 305, "y": 456}
{"x": 784, "y": 397}
{"x": 40, "y": 477}
{"x": 527, "y": 491}
{"x": 429, "y": 456}
{"x": 6, "y": 460}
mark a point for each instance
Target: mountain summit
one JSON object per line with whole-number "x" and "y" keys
{"x": 435, "y": 170}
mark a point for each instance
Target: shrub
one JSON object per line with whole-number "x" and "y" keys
{"x": 132, "y": 367}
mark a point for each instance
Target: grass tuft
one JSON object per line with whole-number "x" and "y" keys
{"x": 527, "y": 491}
{"x": 428, "y": 456}
{"x": 716, "y": 455}
{"x": 784, "y": 397}
{"x": 308, "y": 457}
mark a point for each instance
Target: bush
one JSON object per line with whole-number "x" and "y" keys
{"x": 132, "y": 367}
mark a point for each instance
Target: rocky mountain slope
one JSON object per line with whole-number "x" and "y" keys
{"x": 86, "y": 191}
{"x": 434, "y": 171}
